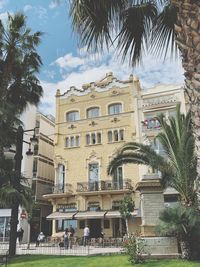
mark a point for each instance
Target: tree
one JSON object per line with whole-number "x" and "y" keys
{"x": 139, "y": 26}
{"x": 178, "y": 166}
{"x": 19, "y": 62}
{"x": 126, "y": 207}
{"x": 184, "y": 223}
{"x": 19, "y": 86}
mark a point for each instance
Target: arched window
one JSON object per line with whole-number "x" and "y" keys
{"x": 116, "y": 137}
{"x": 110, "y": 138}
{"x": 115, "y": 108}
{"x": 67, "y": 142}
{"x": 99, "y": 138}
{"x": 72, "y": 116}
{"x": 77, "y": 140}
{"x": 121, "y": 135}
{"x": 93, "y": 112}
{"x": 87, "y": 139}
{"x": 72, "y": 141}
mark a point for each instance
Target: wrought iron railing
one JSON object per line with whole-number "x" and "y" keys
{"x": 62, "y": 188}
{"x": 104, "y": 186}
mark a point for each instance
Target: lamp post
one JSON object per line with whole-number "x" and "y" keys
{"x": 16, "y": 185}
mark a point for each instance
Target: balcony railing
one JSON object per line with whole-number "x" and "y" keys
{"x": 104, "y": 186}
{"x": 62, "y": 189}
{"x": 151, "y": 124}
{"x": 151, "y": 176}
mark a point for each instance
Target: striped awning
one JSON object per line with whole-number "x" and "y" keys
{"x": 90, "y": 215}
{"x": 61, "y": 215}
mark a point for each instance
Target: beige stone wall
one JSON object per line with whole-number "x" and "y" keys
{"x": 135, "y": 104}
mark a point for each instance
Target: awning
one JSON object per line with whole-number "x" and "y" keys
{"x": 116, "y": 214}
{"x": 90, "y": 215}
{"x": 113, "y": 214}
{"x": 61, "y": 215}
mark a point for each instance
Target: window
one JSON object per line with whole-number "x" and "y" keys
{"x": 110, "y": 136}
{"x": 81, "y": 224}
{"x": 121, "y": 135}
{"x": 116, "y": 135}
{"x": 93, "y": 206}
{"x": 106, "y": 224}
{"x": 72, "y": 141}
{"x": 93, "y": 138}
{"x": 116, "y": 204}
{"x": 93, "y": 112}
{"x": 72, "y": 116}
{"x": 61, "y": 177}
{"x": 87, "y": 139}
{"x": 93, "y": 176}
{"x": 114, "y": 108}
{"x": 118, "y": 178}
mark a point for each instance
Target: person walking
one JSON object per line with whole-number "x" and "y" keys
{"x": 71, "y": 232}
{"x": 40, "y": 238}
{"x": 86, "y": 235}
{"x": 20, "y": 234}
{"x": 66, "y": 238}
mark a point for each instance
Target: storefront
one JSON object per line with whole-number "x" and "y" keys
{"x": 5, "y": 215}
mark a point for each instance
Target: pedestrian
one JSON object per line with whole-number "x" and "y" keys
{"x": 101, "y": 238}
{"x": 66, "y": 238}
{"x": 71, "y": 232}
{"x": 40, "y": 238}
{"x": 20, "y": 234}
{"x": 86, "y": 235}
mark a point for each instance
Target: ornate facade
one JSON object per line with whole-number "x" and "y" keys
{"x": 91, "y": 124}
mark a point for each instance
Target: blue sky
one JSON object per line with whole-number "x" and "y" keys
{"x": 65, "y": 64}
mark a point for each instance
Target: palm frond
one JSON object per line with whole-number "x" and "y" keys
{"x": 163, "y": 32}
{"x": 133, "y": 37}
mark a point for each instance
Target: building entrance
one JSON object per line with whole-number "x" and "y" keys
{"x": 95, "y": 228}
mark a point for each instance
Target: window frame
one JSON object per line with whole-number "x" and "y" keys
{"x": 112, "y": 105}
{"x": 70, "y": 112}
{"x": 90, "y": 109}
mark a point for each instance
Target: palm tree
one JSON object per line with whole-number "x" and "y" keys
{"x": 138, "y": 26}
{"x": 11, "y": 195}
{"x": 19, "y": 62}
{"x": 126, "y": 207}
{"x": 184, "y": 223}
{"x": 178, "y": 166}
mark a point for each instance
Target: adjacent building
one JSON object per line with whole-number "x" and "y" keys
{"x": 91, "y": 124}
{"x": 38, "y": 170}
{"x": 42, "y": 174}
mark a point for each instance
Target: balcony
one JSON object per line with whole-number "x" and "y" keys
{"x": 151, "y": 176}
{"x": 60, "y": 190}
{"x": 151, "y": 125}
{"x": 104, "y": 187}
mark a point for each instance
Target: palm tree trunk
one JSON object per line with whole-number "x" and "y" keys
{"x": 188, "y": 40}
{"x": 13, "y": 229}
{"x": 185, "y": 250}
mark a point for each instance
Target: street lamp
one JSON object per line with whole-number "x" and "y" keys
{"x": 16, "y": 183}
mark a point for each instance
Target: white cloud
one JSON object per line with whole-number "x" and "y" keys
{"x": 27, "y": 8}
{"x": 151, "y": 73}
{"x": 54, "y": 4}
{"x": 69, "y": 61}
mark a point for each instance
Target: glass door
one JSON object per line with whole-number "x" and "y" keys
{"x": 93, "y": 177}
{"x": 118, "y": 179}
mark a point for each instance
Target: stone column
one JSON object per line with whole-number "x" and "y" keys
{"x": 152, "y": 203}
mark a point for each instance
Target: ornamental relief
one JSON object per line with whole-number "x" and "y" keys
{"x": 160, "y": 100}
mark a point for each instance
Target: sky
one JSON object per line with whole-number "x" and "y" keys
{"x": 67, "y": 64}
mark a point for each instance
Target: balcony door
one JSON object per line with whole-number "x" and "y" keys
{"x": 61, "y": 178}
{"x": 118, "y": 178}
{"x": 93, "y": 176}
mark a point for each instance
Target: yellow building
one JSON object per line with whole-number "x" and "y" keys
{"x": 91, "y": 124}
